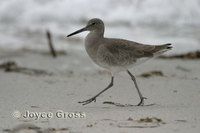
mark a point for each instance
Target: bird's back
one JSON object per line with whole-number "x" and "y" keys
{"x": 119, "y": 52}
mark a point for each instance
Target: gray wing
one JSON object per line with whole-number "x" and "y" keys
{"x": 123, "y": 52}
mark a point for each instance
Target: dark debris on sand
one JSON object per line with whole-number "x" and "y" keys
{"x": 190, "y": 55}
{"x": 30, "y": 127}
{"x": 11, "y": 66}
{"x": 152, "y": 73}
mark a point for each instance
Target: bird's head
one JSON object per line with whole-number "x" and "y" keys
{"x": 94, "y": 24}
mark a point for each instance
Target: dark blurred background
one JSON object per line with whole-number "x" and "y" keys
{"x": 23, "y": 23}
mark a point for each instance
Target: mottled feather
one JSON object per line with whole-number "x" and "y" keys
{"x": 119, "y": 52}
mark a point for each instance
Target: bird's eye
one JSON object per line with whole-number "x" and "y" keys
{"x": 93, "y": 23}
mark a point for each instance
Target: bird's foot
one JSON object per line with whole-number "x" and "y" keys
{"x": 88, "y": 101}
{"x": 141, "y": 103}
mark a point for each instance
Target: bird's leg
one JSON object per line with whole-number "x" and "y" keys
{"x": 94, "y": 98}
{"x": 140, "y": 94}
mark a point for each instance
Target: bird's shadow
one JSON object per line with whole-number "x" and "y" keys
{"x": 126, "y": 105}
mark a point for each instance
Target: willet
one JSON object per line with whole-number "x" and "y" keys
{"x": 116, "y": 55}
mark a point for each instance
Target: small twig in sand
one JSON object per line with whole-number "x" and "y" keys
{"x": 51, "y": 44}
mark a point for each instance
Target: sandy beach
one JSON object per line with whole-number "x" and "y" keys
{"x": 40, "y": 94}
{"x": 51, "y": 98}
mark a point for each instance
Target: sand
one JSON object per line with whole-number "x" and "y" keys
{"x": 172, "y": 105}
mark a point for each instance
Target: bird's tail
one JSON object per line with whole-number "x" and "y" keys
{"x": 159, "y": 49}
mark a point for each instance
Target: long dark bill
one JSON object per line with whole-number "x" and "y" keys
{"x": 76, "y": 32}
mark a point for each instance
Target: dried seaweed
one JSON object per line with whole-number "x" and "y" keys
{"x": 12, "y": 66}
{"x": 24, "y": 127}
{"x": 148, "y": 122}
{"x": 190, "y": 55}
{"x": 148, "y": 119}
{"x": 35, "y": 106}
{"x": 152, "y": 73}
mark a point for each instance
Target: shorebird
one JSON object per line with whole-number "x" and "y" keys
{"x": 116, "y": 55}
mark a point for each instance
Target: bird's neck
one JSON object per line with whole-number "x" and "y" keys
{"x": 97, "y": 33}
{"x": 94, "y": 37}
{"x": 92, "y": 43}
